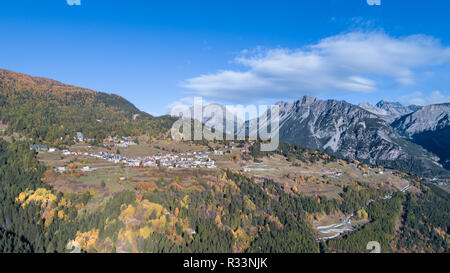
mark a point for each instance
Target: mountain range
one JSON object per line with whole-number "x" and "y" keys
{"x": 389, "y": 111}
{"x": 430, "y": 128}
{"x": 417, "y": 140}
{"x": 348, "y": 131}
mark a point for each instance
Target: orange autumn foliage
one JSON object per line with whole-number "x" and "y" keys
{"x": 146, "y": 186}
{"x": 175, "y": 185}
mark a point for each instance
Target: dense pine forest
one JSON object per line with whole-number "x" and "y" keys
{"x": 22, "y": 227}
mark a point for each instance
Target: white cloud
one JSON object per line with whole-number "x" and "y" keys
{"x": 183, "y": 102}
{"x": 235, "y": 109}
{"x": 355, "y": 62}
{"x": 74, "y": 2}
{"x": 418, "y": 98}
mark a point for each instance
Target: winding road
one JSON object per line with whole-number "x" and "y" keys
{"x": 345, "y": 226}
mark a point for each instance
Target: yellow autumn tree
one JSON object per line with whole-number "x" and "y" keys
{"x": 362, "y": 214}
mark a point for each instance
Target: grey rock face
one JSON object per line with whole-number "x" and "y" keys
{"x": 389, "y": 111}
{"x": 429, "y": 118}
{"x": 430, "y": 128}
{"x": 349, "y": 131}
{"x": 396, "y": 108}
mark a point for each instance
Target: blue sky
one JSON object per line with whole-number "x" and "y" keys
{"x": 156, "y": 53}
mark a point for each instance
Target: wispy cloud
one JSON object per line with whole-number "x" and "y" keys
{"x": 418, "y": 98}
{"x": 236, "y": 109}
{"x": 74, "y": 2}
{"x": 354, "y": 62}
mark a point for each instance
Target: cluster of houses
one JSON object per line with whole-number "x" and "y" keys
{"x": 120, "y": 142}
{"x": 182, "y": 160}
{"x": 116, "y": 141}
{"x": 84, "y": 169}
{"x": 332, "y": 173}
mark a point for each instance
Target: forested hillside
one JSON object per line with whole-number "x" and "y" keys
{"x": 22, "y": 228}
{"x": 224, "y": 211}
{"x": 51, "y": 111}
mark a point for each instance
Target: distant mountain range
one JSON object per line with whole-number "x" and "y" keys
{"x": 214, "y": 120}
{"x": 427, "y": 126}
{"x": 389, "y": 111}
{"x": 349, "y": 131}
{"x": 365, "y": 133}
{"x": 430, "y": 128}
